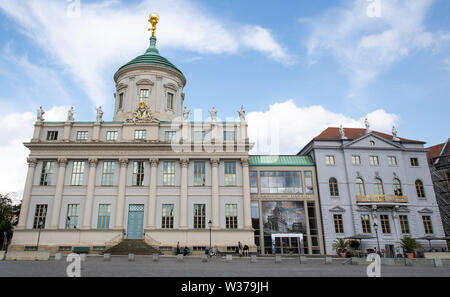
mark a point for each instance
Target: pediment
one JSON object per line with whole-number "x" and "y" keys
{"x": 121, "y": 86}
{"x": 144, "y": 82}
{"x": 379, "y": 142}
{"x": 364, "y": 209}
{"x": 337, "y": 208}
{"x": 425, "y": 210}
{"x": 171, "y": 86}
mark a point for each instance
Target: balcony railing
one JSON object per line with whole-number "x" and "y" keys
{"x": 381, "y": 199}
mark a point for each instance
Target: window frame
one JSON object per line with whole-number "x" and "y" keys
{"x": 385, "y": 224}
{"x": 372, "y": 160}
{"x": 109, "y": 133}
{"x": 77, "y": 177}
{"x": 140, "y": 134}
{"x": 73, "y": 212}
{"x": 104, "y": 216}
{"x": 82, "y": 135}
{"x": 138, "y": 174}
{"x": 169, "y": 173}
{"x": 167, "y": 216}
{"x": 404, "y": 224}
{"x": 52, "y": 135}
{"x": 334, "y": 187}
{"x": 108, "y": 173}
{"x": 199, "y": 174}
{"x": 40, "y": 213}
{"x": 338, "y": 223}
{"x": 199, "y": 220}
{"x": 420, "y": 189}
{"x": 47, "y": 173}
{"x": 366, "y": 224}
{"x": 427, "y": 224}
{"x": 230, "y": 178}
{"x": 330, "y": 160}
{"x": 231, "y": 216}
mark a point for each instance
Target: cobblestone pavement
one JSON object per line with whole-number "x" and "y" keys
{"x": 143, "y": 266}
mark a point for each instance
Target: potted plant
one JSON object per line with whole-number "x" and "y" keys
{"x": 340, "y": 245}
{"x": 409, "y": 244}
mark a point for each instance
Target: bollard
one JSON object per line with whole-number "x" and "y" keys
{"x": 328, "y": 260}
{"x": 253, "y": 259}
{"x": 179, "y": 258}
{"x": 408, "y": 262}
{"x": 277, "y": 259}
{"x": 229, "y": 258}
{"x": 204, "y": 258}
{"x": 58, "y": 257}
{"x": 83, "y": 257}
{"x": 438, "y": 263}
{"x": 107, "y": 257}
{"x": 131, "y": 257}
{"x": 155, "y": 257}
{"x": 303, "y": 260}
{"x": 388, "y": 261}
{"x": 355, "y": 261}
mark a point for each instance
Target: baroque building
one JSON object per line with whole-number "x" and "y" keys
{"x": 149, "y": 174}
{"x": 374, "y": 186}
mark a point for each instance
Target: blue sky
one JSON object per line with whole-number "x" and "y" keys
{"x": 305, "y": 64}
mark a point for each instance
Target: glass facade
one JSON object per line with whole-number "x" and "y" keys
{"x": 281, "y": 182}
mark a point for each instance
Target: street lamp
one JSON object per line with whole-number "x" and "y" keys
{"x": 375, "y": 226}
{"x": 210, "y": 226}
{"x": 41, "y": 222}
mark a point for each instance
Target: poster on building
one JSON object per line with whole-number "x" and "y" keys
{"x": 283, "y": 217}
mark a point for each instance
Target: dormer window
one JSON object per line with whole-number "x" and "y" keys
{"x": 143, "y": 96}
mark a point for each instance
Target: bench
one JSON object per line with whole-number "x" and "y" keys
{"x": 81, "y": 250}
{"x": 180, "y": 251}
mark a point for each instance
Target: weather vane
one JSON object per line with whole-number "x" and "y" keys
{"x": 154, "y": 19}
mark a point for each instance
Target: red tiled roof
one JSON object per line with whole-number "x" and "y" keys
{"x": 332, "y": 133}
{"x": 434, "y": 152}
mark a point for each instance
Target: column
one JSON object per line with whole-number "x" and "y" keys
{"x": 246, "y": 191}
{"x": 96, "y": 131}
{"x": 27, "y": 193}
{"x": 87, "y": 214}
{"x": 152, "y": 193}
{"x": 58, "y": 193}
{"x": 184, "y": 162}
{"x": 67, "y": 131}
{"x": 215, "y": 216}
{"x": 158, "y": 93}
{"x": 37, "y": 131}
{"x": 121, "y": 197}
{"x": 130, "y": 95}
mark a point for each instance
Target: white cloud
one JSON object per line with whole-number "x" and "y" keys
{"x": 285, "y": 128}
{"x": 110, "y": 33}
{"x": 17, "y": 128}
{"x": 366, "y": 46}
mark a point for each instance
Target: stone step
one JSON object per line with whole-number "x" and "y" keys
{"x": 132, "y": 246}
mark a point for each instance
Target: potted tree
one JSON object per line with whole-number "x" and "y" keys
{"x": 340, "y": 245}
{"x": 409, "y": 244}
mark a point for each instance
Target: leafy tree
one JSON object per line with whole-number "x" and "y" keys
{"x": 9, "y": 216}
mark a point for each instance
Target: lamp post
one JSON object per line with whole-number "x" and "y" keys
{"x": 375, "y": 226}
{"x": 210, "y": 226}
{"x": 41, "y": 222}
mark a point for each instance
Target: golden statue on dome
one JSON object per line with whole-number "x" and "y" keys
{"x": 154, "y": 19}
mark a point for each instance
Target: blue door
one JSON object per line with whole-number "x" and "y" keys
{"x": 135, "y": 227}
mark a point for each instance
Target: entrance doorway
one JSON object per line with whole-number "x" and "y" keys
{"x": 135, "y": 227}
{"x": 287, "y": 244}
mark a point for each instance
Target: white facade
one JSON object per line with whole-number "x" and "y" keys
{"x": 349, "y": 204}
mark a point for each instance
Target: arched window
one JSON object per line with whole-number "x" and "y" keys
{"x": 334, "y": 190}
{"x": 419, "y": 188}
{"x": 397, "y": 187}
{"x": 360, "y": 190}
{"x": 378, "y": 187}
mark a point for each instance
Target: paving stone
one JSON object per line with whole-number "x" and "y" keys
{"x": 83, "y": 257}
{"x": 328, "y": 260}
{"x": 388, "y": 261}
{"x": 278, "y": 259}
{"x": 438, "y": 263}
{"x": 204, "y": 258}
{"x": 229, "y": 258}
{"x": 107, "y": 257}
{"x": 253, "y": 259}
{"x": 155, "y": 257}
{"x": 131, "y": 257}
{"x": 179, "y": 258}
{"x": 408, "y": 262}
{"x": 303, "y": 260}
{"x": 355, "y": 261}
{"x": 58, "y": 257}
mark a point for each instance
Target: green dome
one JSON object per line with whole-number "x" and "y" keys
{"x": 152, "y": 57}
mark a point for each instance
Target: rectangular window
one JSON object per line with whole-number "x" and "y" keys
{"x": 392, "y": 160}
{"x": 40, "y": 215}
{"x": 140, "y": 134}
{"x": 77, "y": 173}
{"x": 73, "y": 211}
{"x": 138, "y": 173}
{"x": 329, "y": 160}
{"x": 52, "y": 135}
{"x": 199, "y": 135}
{"x": 112, "y": 135}
{"x": 414, "y": 162}
{"x": 104, "y": 215}
{"x": 281, "y": 182}
{"x": 199, "y": 216}
{"x": 229, "y": 135}
{"x": 374, "y": 161}
{"x": 231, "y": 221}
{"x": 338, "y": 223}
{"x": 143, "y": 96}
{"x": 308, "y": 182}
{"x": 356, "y": 160}
{"x": 169, "y": 135}
{"x": 253, "y": 182}
{"x": 82, "y": 135}
{"x": 121, "y": 101}
{"x": 385, "y": 225}
{"x": 404, "y": 224}
{"x": 108, "y": 173}
{"x": 167, "y": 216}
{"x": 48, "y": 169}
{"x": 199, "y": 173}
{"x": 365, "y": 223}
{"x": 230, "y": 173}
{"x": 169, "y": 101}
{"x": 169, "y": 173}
{"x": 427, "y": 224}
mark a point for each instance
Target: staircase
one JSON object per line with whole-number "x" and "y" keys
{"x": 132, "y": 246}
